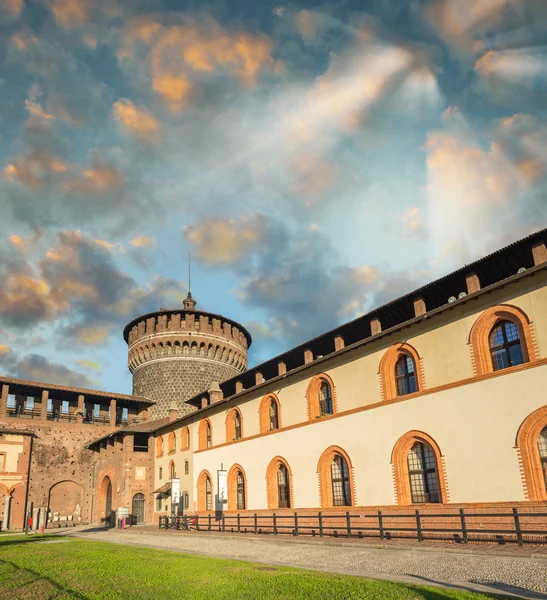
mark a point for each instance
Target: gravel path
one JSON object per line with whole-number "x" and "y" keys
{"x": 520, "y": 576}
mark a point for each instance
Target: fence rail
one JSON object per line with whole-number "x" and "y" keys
{"x": 462, "y": 526}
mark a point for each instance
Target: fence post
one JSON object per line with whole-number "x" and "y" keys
{"x": 419, "y": 526}
{"x": 517, "y": 525}
{"x": 381, "y": 524}
{"x": 223, "y": 523}
{"x": 348, "y": 523}
{"x": 275, "y": 524}
{"x": 256, "y": 523}
{"x": 320, "y": 515}
{"x": 238, "y": 523}
{"x": 209, "y": 524}
{"x": 464, "y": 526}
{"x": 295, "y": 523}
{"x": 197, "y": 523}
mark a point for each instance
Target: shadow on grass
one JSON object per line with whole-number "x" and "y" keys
{"x": 27, "y": 540}
{"x": 37, "y": 577}
{"x": 516, "y": 592}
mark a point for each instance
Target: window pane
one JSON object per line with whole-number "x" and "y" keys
{"x": 511, "y": 331}
{"x": 340, "y": 482}
{"x": 499, "y": 359}
{"x": 496, "y": 337}
{"x": 515, "y": 352}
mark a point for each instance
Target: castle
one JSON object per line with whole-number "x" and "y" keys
{"x": 435, "y": 398}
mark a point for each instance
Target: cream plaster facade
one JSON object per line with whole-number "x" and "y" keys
{"x": 474, "y": 420}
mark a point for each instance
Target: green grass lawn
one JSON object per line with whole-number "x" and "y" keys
{"x": 82, "y": 569}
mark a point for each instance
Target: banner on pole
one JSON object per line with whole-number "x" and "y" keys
{"x": 175, "y": 491}
{"x": 222, "y": 486}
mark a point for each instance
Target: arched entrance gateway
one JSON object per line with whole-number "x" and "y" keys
{"x": 106, "y": 516}
{"x": 139, "y": 509}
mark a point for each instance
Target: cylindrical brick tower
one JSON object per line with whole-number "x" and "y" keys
{"x": 177, "y": 354}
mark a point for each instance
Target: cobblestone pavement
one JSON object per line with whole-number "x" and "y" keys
{"x": 520, "y": 576}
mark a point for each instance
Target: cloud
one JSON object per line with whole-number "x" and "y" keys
{"x": 179, "y": 55}
{"x": 89, "y": 365}
{"x": 220, "y": 241}
{"x": 293, "y": 277}
{"x": 142, "y": 241}
{"x": 91, "y": 336}
{"x": 477, "y": 187}
{"x": 100, "y": 179}
{"x": 136, "y": 120}
{"x": 13, "y": 7}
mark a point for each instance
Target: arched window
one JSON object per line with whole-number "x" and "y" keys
{"x": 418, "y": 469}
{"x": 205, "y": 435}
{"x": 159, "y": 446}
{"x": 269, "y": 413}
{"x": 335, "y": 478}
{"x": 172, "y": 442}
{"x": 234, "y": 425}
{"x": 273, "y": 414}
{"x": 185, "y": 438}
{"x": 341, "y": 495}
{"x": 172, "y": 470}
{"x": 505, "y": 346}
{"x": 279, "y": 483}
{"x": 283, "y": 489}
{"x": 542, "y": 447}
{"x": 502, "y": 337}
{"x": 405, "y": 375}
{"x": 325, "y": 399}
{"x": 400, "y": 371}
{"x": 205, "y": 492}
{"x": 423, "y": 475}
{"x": 237, "y": 426}
{"x": 208, "y": 494}
{"x": 321, "y": 397}
{"x": 240, "y": 491}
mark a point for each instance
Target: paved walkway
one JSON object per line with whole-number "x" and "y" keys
{"x": 474, "y": 569}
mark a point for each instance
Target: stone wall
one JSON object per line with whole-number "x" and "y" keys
{"x": 177, "y": 379}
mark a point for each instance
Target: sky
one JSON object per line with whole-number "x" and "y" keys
{"x": 317, "y": 159}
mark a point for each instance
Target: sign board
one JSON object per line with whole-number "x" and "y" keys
{"x": 222, "y": 486}
{"x": 175, "y": 491}
{"x": 123, "y": 511}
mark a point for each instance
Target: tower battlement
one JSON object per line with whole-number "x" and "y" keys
{"x": 176, "y": 354}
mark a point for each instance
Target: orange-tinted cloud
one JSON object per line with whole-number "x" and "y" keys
{"x": 136, "y": 120}
{"x": 13, "y": 7}
{"x": 71, "y": 13}
{"x": 31, "y": 170}
{"x": 142, "y": 241}
{"x": 176, "y": 52}
{"x": 92, "y": 336}
{"x": 220, "y": 240}
{"x": 100, "y": 179}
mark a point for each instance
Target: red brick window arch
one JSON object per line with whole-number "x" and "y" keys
{"x": 184, "y": 438}
{"x": 159, "y": 446}
{"x": 234, "y": 425}
{"x": 336, "y": 480}
{"x": 321, "y": 397}
{"x": 418, "y": 469}
{"x": 237, "y": 488}
{"x": 500, "y": 338}
{"x": 270, "y": 413}
{"x": 279, "y": 484}
{"x": 171, "y": 442}
{"x": 205, "y": 492}
{"x": 532, "y": 448}
{"x": 400, "y": 371}
{"x": 205, "y": 434}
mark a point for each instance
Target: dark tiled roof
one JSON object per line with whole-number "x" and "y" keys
{"x": 164, "y": 489}
{"x": 144, "y": 427}
{"x": 63, "y": 391}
